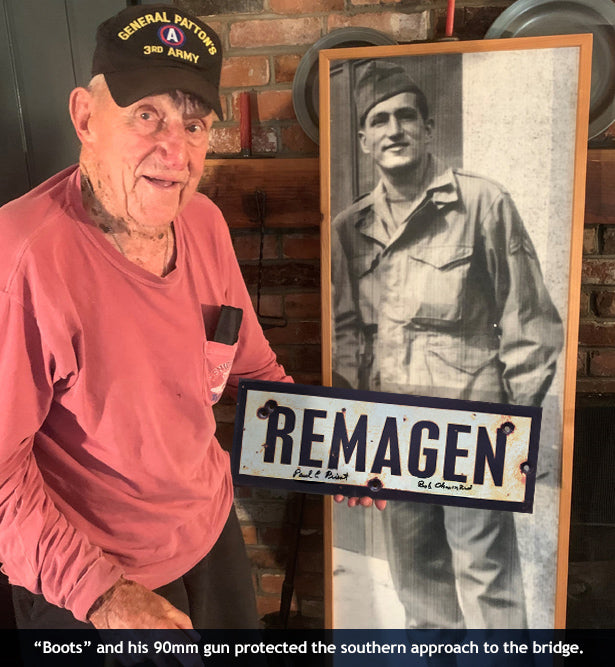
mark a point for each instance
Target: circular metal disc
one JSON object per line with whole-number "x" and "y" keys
{"x": 533, "y": 18}
{"x": 305, "y": 83}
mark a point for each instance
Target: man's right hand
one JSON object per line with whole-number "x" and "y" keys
{"x": 129, "y": 605}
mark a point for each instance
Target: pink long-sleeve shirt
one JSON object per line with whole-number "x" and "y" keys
{"x": 108, "y": 461}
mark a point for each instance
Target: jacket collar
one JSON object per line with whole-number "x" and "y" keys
{"x": 375, "y": 218}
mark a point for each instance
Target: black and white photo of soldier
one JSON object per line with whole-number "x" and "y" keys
{"x": 437, "y": 290}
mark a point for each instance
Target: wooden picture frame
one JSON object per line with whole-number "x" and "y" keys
{"x": 512, "y": 115}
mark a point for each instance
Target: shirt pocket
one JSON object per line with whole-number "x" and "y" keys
{"x": 218, "y": 361}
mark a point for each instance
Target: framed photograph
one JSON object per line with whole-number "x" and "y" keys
{"x": 452, "y": 188}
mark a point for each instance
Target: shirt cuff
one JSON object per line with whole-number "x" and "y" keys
{"x": 98, "y": 579}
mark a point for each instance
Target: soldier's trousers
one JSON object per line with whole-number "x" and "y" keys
{"x": 455, "y": 567}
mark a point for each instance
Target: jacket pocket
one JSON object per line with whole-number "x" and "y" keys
{"x": 465, "y": 354}
{"x": 437, "y": 277}
{"x": 468, "y": 368}
{"x": 218, "y": 361}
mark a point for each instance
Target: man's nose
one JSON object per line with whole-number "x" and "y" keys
{"x": 172, "y": 144}
{"x": 393, "y": 126}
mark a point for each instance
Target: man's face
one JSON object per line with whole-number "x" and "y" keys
{"x": 146, "y": 160}
{"x": 395, "y": 134}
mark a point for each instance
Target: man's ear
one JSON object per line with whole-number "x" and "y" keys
{"x": 363, "y": 143}
{"x": 80, "y": 108}
{"x": 429, "y": 126}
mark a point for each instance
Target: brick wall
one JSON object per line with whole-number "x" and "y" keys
{"x": 596, "y": 360}
{"x": 264, "y": 41}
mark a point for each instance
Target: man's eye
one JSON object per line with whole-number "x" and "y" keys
{"x": 408, "y": 114}
{"x": 195, "y": 128}
{"x": 148, "y": 115}
{"x": 379, "y": 120}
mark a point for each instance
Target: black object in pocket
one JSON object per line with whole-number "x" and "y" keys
{"x": 227, "y": 329}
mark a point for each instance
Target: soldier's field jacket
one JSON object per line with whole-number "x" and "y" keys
{"x": 452, "y": 304}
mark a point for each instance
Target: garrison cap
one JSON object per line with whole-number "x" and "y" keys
{"x": 381, "y": 79}
{"x": 153, "y": 49}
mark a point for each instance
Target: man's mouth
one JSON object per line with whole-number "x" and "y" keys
{"x": 161, "y": 182}
{"x": 397, "y": 146}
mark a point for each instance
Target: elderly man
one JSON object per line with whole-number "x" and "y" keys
{"x": 115, "y": 497}
{"x": 438, "y": 291}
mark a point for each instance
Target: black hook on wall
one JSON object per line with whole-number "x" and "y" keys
{"x": 266, "y": 321}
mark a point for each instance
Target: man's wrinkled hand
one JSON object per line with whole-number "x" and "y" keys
{"x": 129, "y": 605}
{"x": 364, "y": 501}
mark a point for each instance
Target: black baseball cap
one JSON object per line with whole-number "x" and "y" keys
{"x": 152, "y": 49}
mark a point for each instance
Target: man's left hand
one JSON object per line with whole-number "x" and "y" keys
{"x": 364, "y": 501}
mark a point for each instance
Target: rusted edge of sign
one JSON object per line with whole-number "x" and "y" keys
{"x": 431, "y": 491}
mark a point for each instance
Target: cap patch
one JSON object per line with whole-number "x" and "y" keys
{"x": 171, "y": 35}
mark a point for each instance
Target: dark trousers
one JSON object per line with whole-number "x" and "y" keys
{"x": 217, "y": 593}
